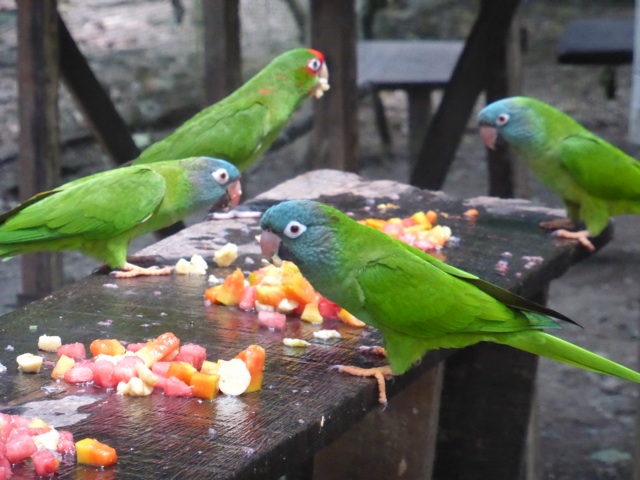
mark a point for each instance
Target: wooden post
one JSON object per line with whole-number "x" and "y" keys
{"x": 335, "y": 135}
{"x": 222, "y": 55}
{"x": 505, "y": 80}
{"x": 39, "y": 136}
{"x": 634, "y": 114}
{"x": 469, "y": 78}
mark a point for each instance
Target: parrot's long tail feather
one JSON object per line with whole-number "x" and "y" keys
{"x": 545, "y": 345}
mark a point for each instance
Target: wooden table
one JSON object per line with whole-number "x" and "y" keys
{"x": 303, "y": 407}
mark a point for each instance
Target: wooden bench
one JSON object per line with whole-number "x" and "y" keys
{"x": 483, "y": 397}
{"x": 416, "y": 66}
{"x": 598, "y": 41}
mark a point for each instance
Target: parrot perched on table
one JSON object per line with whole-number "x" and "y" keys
{"x": 242, "y": 126}
{"x": 416, "y": 301}
{"x": 100, "y": 214}
{"x": 595, "y": 179}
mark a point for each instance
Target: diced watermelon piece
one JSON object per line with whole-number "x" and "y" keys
{"x": 20, "y": 448}
{"x": 66, "y": 443}
{"x": 393, "y": 229}
{"x": 103, "y": 374}
{"x": 134, "y": 347}
{"x": 193, "y": 354}
{"x": 45, "y": 462}
{"x": 274, "y": 320}
{"x": 73, "y": 350}
{"x": 126, "y": 368}
{"x": 248, "y": 300}
{"x": 5, "y": 468}
{"x": 79, "y": 374}
{"x": 327, "y": 308}
{"x": 175, "y": 387}
{"x": 161, "y": 368}
{"x": 162, "y": 381}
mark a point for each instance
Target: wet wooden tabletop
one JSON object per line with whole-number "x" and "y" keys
{"x": 302, "y": 406}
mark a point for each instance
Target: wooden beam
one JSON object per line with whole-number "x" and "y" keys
{"x": 93, "y": 100}
{"x": 39, "y": 136}
{"x": 470, "y": 77}
{"x": 222, "y": 53}
{"x": 335, "y": 133}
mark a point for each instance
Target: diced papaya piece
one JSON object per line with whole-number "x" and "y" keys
{"x": 349, "y": 319}
{"x": 432, "y": 217}
{"x": 211, "y": 294}
{"x": 90, "y": 451}
{"x": 182, "y": 371}
{"x": 421, "y": 219}
{"x": 270, "y": 270}
{"x": 376, "y": 223}
{"x": 270, "y": 294}
{"x": 395, "y": 220}
{"x": 63, "y": 365}
{"x": 295, "y": 286}
{"x": 108, "y": 346}
{"x": 311, "y": 313}
{"x": 232, "y": 289}
{"x": 164, "y": 347}
{"x": 253, "y": 356}
{"x": 205, "y": 385}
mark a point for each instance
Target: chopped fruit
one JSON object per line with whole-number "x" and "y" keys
{"x": 63, "y": 365}
{"x": 159, "y": 349}
{"x": 349, "y": 319}
{"x": 48, "y": 343}
{"x": 253, "y": 356}
{"x": 109, "y": 346}
{"x": 273, "y": 320}
{"x": 205, "y": 385}
{"x": 135, "y": 387}
{"x": 311, "y": 313}
{"x": 174, "y": 387}
{"x": 73, "y": 350}
{"x": 210, "y": 367}
{"x": 192, "y": 354}
{"x": 226, "y": 255}
{"x": 146, "y": 375}
{"x": 182, "y": 371}
{"x": 29, "y": 363}
{"x": 295, "y": 342}
{"x": 234, "y": 377}
{"x": 79, "y": 374}
{"x": 472, "y": 214}
{"x": 90, "y": 451}
{"x": 232, "y": 289}
{"x": 270, "y": 295}
{"x": 45, "y": 463}
{"x": 196, "y": 266}
{"x": 295, "y": 286}
{"x": 326, "y": 334}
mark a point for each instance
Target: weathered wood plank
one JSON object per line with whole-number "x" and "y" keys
{"x": 39, "y": 135}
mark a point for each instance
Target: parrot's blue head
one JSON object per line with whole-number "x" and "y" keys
{"x": 217, "y": 181}
{"x": 515, "y": 120}
{"x": 301, "y": 231}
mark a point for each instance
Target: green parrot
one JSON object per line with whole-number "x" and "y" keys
{"x": 595, "y": 179}
{"x": 100, "y": 214}
{"x": 242, "y": 126}
{"x": 416, "y": 301}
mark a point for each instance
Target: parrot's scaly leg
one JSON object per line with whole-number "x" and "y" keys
{"x": 375, "y": 350}
{"x": 380, "y": 373}
{"x": 130, "y": 270}
{"x": 558, "y": 223}
{"x": 582, "y": 236}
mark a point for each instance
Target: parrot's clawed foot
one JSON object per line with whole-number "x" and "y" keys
{"x": 374, "y": 351}
{"x": 380, "y": 374}
{"x": 130, "y": 270}
{"x": 558, "y": 223}
{"x": 582, "y": 236}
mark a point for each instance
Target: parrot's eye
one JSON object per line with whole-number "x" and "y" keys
{"x": 502, "y": 119}
{"x": 294, "y": 229}
{"x": 314, "y": 64}
{"x": 221, "y": 176}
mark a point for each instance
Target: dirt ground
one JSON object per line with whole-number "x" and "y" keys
{"x": 150, "y": 65}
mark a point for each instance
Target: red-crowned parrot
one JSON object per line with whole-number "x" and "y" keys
{"x": 242, "y": 126}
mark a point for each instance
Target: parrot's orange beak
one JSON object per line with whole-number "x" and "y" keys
{"x": 489, "y": 136}
{"x": 269, "y": 245}
{"x": 234, "y": 192}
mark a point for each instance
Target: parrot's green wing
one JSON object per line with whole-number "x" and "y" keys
{"x": 97, "y": 208}
{"x": 600, "y": 168}
{"x": 234, "y": 131}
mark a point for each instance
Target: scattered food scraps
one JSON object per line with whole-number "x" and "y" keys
{"x": 226, "y": 255}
